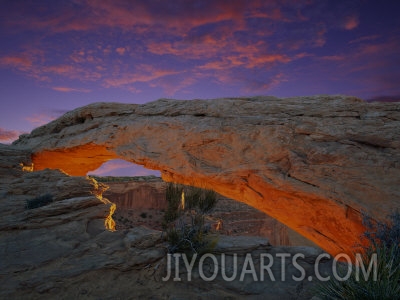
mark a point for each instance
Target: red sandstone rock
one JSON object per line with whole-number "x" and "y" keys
{"x": 313, "y": 163}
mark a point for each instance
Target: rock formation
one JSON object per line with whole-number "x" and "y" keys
{"x": 62, "y": 250}
{"x": 138, "y": 194}
{"x": 313, "y": 163}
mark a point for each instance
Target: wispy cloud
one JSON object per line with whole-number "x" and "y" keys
{"x": 69, "y": 89}
{"x": 211, "y": 36}
{"x": 366, "y": 38}
{"x": 351, "y": 22}
{"x": 142, "y": 73}
{"x": 333, "y": 57}
{"x": 261, "y": 85}
{"x": 19, "y": 62}
{"x": 171, "y": 45}
{"x": 40, "y": 119}
{"x": 120, "y": 50}
{"x": 8, "y": 136}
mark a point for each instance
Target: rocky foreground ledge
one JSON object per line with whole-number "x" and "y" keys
{"x": 64, "y": 250}
{"x": 313, "y": 163}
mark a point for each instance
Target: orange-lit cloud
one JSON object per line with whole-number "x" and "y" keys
{"x": 333, "y": 57}
{"x": 170, "y": 46}
{"x": 69, "y": 89}
{"x": 18, "y": 62}
{"x": 178, "y": 29}
{"x": 320, "y": 39}
{"x": 120, "y": 50}
{"x": 366, "y": 38}
{"x": 259, "y": 85}
{"x": 40, "y": 119}
{"x": 179, "y": 16}
{"x": 351, "y": 23}
{"x": 144, "y": 73}
{"x": 8, "y": 136}
{"x": 173, "y": 84}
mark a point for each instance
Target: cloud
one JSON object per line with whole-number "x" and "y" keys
{"x": 173, "y": 84}
{"x": 256, "y": 85}
{"x": 86, "y": 15}
{"x": 18, "y": 62}
{"x": 68, "y": 89}
{"x": 40, "y": 119}
{"x": 351, "y": 22}
{"x": 120, "y": 50}
{"x": 333, "y": 57}
{"x": 34, "y": 65}
{"x": 143, "y": 73}
{"x": 366, "y": 38}
{"x": 8, "y": 136}
{"x": 171, "y": 45}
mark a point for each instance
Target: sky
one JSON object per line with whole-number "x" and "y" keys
{"x": 59, "y": 55}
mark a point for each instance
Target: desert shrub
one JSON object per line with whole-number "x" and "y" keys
{"x": 184, "y": 221}
{"x": 39, "y": 201}
{"x": 383, "y": 240}
{"x": 143, "y": 215}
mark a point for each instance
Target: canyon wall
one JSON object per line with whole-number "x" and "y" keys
{"x": 313, "y": 163}
{"x": 148, "y": 195}
{"x": 143, "y": 194}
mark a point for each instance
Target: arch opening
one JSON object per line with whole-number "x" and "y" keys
{"x": 139, "y": 195}
{"x": 119, "y": 167}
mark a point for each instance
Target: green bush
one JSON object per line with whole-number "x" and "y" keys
{"x": 383, "y": 241}
{"x": 39, "y": 201}
{"x": 184, "y": 223}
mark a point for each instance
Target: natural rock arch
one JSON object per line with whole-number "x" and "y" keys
{"x": 312, "y": 163}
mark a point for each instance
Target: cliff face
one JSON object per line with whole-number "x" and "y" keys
{"x": 313, "y": 163}
{"x": 137, "y": 194}
{"x": 148, "y": 195}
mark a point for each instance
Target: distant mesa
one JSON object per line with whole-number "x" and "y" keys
{"x": 313, "y": 163}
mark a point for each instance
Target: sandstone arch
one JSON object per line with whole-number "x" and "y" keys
{"x": 313, "y": 163}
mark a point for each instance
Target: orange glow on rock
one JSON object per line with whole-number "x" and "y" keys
{"x": 78, "y": 161}
{"x": 109, "y": 222}
{"x": 333, "y": 226}
{"x": 26, "y": 168}
{"x": 330, "y": 225}
{"x": 74, "y": 161}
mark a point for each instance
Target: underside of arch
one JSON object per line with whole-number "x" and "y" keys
{"x": 317, "y": 216}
